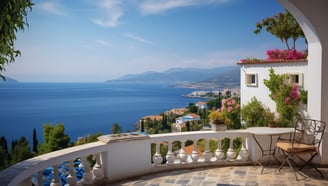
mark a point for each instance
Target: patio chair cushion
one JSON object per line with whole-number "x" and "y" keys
{"x": 295, "y": 147}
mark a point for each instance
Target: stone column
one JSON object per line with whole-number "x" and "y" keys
{"x": 194, "y": 154}
{"x": 207, "y": 154}
{"x": 219, "y": 153}
{"x": 157, "y": 158}
{"x": 170, "y": 158}
{"x": 55, "y": 181}
{"x": 182, "y": 154}
{"x": 71, "y": 178}
{"x": 98, "y": 171}
{"x": 231, "y": 153}
{"x": 87, "y": 175}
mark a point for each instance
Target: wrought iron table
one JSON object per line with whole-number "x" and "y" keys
{"x": 271, "y": 133}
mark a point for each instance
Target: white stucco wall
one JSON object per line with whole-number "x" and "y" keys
{"x": 261, "y": 92}
{"x": 312, "y": 18}
{"x": 127, "y": 158}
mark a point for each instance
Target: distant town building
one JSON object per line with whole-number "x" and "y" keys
{"x": 188, "y": 117}
{"x": 178, "y": 111}
{"x": 201, "y": 105}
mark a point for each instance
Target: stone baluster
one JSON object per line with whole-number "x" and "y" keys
{"x": 182, "y": 154}
{"x": 71, "y": 178}
{"x": 87, "y": 175}
{"x": 219, "y": 153}
{"x": 231, "y": 153}
{"x": 194, "y": 154}
{"x": 40, "y": 178}
{"x": 98, "y": 171}
{"x": 207, "y": 154}
{"x": 243, "y": 154}
{"x": 55, "y": 181}
{"x": 170, "y": 158}
{"x": 157, "y": 158}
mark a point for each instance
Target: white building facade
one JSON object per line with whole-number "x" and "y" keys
{"x": 252, "y": 76}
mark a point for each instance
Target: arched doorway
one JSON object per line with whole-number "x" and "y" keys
{"x": 312, "y": 18}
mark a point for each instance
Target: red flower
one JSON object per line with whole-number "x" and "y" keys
{"x": 287, "y": 100}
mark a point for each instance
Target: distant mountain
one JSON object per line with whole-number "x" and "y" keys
{"x": 176, "y": 75}
{"x": 8, "y": 80}
{"x": 230, "y": 79}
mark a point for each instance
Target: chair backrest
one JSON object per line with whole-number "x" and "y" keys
{"x": 309, "y": 132}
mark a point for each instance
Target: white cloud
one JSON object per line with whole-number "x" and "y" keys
{"x": 113, "y": 12}
{"x": 156, "y": 7}
{"x": 103, "y": 43}
{"x": 137, "y": 38}
{"x": 51, "y": 7}
{"x": 114, "y": 8}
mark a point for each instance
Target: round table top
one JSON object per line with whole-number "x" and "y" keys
{"x": 269, "y": 130}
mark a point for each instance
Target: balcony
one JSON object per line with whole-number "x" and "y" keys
{"x": 119, "y": 157}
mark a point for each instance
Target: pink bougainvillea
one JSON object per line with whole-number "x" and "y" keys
{"x": 277, "y": 54}
{"x": 294, "y": 93}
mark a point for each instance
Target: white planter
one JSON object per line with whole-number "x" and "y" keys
{"x": 218, "y": 127}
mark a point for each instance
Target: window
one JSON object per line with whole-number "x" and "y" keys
{"x": 251, "y": 80}
{"x": 295, "y": 79}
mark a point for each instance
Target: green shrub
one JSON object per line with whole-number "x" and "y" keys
{"x": 254, "y": 113}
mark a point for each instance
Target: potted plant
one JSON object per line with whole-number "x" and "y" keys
{"x": 217, "y": 120}
{"x": 269, "y": 118}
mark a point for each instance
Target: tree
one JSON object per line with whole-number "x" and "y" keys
{"x": 188, "y": 126}
{"x": 54, "y": 138}
{"x": 284, "y": 26}
{"x": 88, "y": 139}
{"x": 116, "y": 129}
{"x": 20, "y": 150}
{"x": 253, "y": 113}
{"x": 13, "y": 15}
{"x": 192, "y": 108}
{"x": 142, "y": 126}
{"x": 4, "y": 155}
{"x": 35, "y": 142}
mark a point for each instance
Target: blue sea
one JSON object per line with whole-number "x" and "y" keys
{"x": 83, "y": 108}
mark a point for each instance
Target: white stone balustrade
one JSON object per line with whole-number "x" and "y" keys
{"x": 121, "y": 159}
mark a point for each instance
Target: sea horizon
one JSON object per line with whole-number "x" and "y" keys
{"x": 83, "y": 107}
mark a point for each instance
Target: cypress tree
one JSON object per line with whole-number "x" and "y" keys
{"x": 3, "y": 143}
{"x": 35, "y": 142}
{"x": 188, "y": 126}
{"x": 4, "y": 156}
{"x": 142, "y": 126}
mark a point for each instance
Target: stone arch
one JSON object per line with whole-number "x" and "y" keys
{"x": 311, "y": 17}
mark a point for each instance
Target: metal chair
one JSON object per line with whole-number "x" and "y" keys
{"x": 304, "y": 144}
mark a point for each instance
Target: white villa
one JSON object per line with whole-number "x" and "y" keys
{"x": 129, "y": 155}
{"x": 252, "y": 77}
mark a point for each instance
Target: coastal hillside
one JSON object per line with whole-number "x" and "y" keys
{"x": 230, "y": 79}
{"x": 185, "y": 76}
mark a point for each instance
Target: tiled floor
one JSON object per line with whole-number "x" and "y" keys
{"x": 222, "y": 176}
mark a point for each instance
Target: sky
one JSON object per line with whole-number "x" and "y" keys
{"x": 99, "y": 40}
